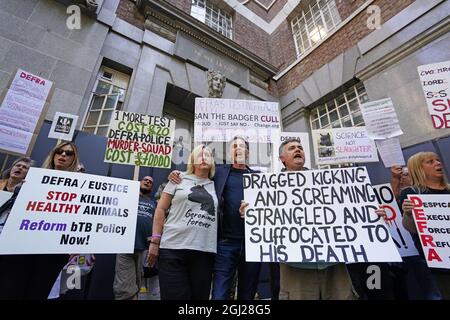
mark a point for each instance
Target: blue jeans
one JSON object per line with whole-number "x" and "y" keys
{"x": 230, "y": 258}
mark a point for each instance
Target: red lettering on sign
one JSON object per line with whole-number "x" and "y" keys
{"x": 432, "y": 255}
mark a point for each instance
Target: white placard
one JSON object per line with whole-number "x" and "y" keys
{"x": 334, "y": 146}
{"x": 30, "y": 85}
{"x": 67, "y": 212}
{"x": 63, "y": 126}
{"x": 315, "y": 216}
{"x": 4, "y": 196}
{"x": 435, "y": 80}
{"x": 14, "y": 140}
{"x": 381, "y": 119}
{"x": 401, "y": 237}
{"x": 390, "y": 152}
{"x": 279, "y": 137}
{"x": 140, "y": 140}
{"x": 432, "y": 218}
{"x": 223, "y": 119}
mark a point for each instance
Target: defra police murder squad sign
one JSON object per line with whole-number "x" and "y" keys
{"x": 67, "y": 212}
{"x": 315, "y": 216}
{"x": 140, "y": 140}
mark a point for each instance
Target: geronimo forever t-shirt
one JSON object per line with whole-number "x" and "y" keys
{"x": 192, "y": 219}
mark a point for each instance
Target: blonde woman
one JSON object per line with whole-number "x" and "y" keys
{"x": 25, "y": 277}
{"x": 427, "y": 177}
{"x": 186, "y": 239}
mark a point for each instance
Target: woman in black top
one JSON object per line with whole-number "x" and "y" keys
{"x": 428, "y": 177}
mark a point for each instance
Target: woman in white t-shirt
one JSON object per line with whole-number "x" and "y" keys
{"x": 186, "y": 238}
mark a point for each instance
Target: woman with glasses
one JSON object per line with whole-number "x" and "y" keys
{"x": 32, "y": 276}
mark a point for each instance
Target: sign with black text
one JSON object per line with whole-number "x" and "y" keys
{"x": 435, "y": 80}
{"x": 401, "y": 237}
{"x": 140, "y": 140}
{"x": 341, "y": 145}
{"x": 67, "y": 212}
{"x": 315, "y": 216}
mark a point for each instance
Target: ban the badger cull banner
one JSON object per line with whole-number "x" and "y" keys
{"x": 140, "y": 140}
{"x": 68, "y": 212}
{"x": 315, "y": 216}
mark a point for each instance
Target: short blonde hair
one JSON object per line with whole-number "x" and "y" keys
{"x": 194, "y": 154}
{"x": 416, "y": 172}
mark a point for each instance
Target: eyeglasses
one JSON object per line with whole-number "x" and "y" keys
{"x": 67, "y": 152}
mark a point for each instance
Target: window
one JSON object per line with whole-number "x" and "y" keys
{"x": 342, "y": 111}
{"x": 313, "y": 24}
{"x": 212, "y": 16}
{"x": 108, "y": 95}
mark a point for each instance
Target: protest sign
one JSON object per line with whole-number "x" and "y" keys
{"x": 67, "y": 212}
{"x": 315, "y": 216}
{"x": 390, "y": 152}
{"x": 223, "y": 119}
{"x": 22, "y": 111}
{"x": 435, "y": 80}
{"x": 63, "y": 126}
{"x": 334, "y": 146}
{"x": 279, "y": 137}
{"x": 140, "y": 140}
{"x": 380, "y": 119}
{"x": 30, "y": 85}
{"x": 401, "y": 237}
{"x": 432, "y": 218}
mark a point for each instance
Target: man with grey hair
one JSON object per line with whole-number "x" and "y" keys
{"x": 310, "y": 281}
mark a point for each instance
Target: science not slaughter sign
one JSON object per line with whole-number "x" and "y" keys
{"x": 222, "y": 119}
{"x": 334, "y": 146}
{"x": 435, "y": 80}
{"x": 315, "y": 216}
{"x": 432, "y": 218}
{"x": 140, "y": 140}
{"x": 67, "y": 212}
{"x": 401, "y": 237}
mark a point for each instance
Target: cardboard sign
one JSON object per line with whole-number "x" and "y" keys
{"x": 67, "y": 212}
{"x": 223, "y": 119}
{"x": 334, "y": 146}
{"x": 140, "y": 140}
{"x": 432, "y": 217}
{"x": 435, "y": 80}
{"x": 381, "y": 119}
{"x": 279, "y": 137}
{"x": 315, "y": 216}
{"x": 401, "y": 237}
{"x": 63, "y": 126}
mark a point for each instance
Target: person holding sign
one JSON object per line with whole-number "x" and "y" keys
{"x": 231, "y": 246}
{"x": 428, "y": 177}
{"x": 15, "y": 175}
{"x": 32, "y": 276}
{"x": 186, "y": 238}
{"x": 310, "y": 281}
{"x": 128, "y": 277}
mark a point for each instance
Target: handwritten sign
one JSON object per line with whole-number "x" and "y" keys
{"x": 140, "y": 140}
{"x": 315, "y": 216}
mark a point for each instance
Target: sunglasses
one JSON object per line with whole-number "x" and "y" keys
{"x": 67, "y": 152}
